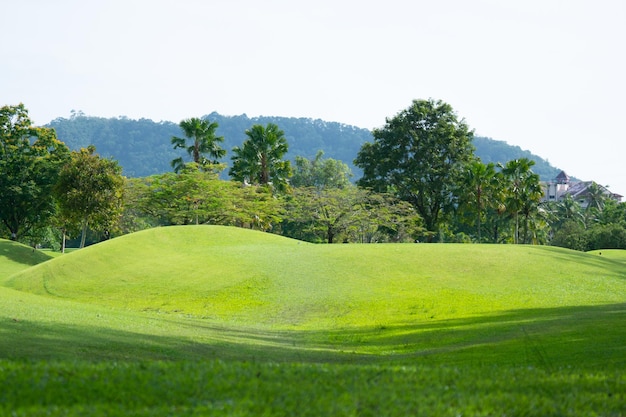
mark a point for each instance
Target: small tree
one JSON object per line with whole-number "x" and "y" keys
{"x": 89, "y": 192}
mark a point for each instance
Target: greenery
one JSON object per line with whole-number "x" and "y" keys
{"x": 255, "y": 323}
{"x": 89, "y": 191}
{"x": 30, "y": 159}
{"x": 142, "y": 146}
{"x": 205, "y": 144}
{"x": 259, "y": 161}
{"x": 419, "y": 156}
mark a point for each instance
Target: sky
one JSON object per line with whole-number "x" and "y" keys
{"x": 548, "y": 76}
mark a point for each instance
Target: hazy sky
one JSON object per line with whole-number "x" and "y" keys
{"x": 546, "y": 75}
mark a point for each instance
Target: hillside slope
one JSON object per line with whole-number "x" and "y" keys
{"x": 242, "y": 276}
{"x": 143, "y": 147}
{"x": 15, "y": 257}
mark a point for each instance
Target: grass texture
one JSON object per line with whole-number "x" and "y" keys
{"x": 209, "y": 320}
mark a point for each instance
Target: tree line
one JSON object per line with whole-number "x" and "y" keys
{"x": 421, "y": 182}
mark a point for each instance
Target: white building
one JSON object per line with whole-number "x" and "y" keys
{"x": 562, "y": 186}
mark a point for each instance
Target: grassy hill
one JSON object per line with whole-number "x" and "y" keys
{"x": 266, "y": 324}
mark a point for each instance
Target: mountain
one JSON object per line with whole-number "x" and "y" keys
{"x": 143, "y": 146}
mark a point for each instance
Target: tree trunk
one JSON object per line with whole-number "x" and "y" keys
{"x": 63, "y": 241}
{"x": 83, "y": 236}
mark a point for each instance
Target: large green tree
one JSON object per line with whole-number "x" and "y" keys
{"x": 259, "y": 161}
{"x": 89, "y": 192}
{"x": 30, "y": 160}
{"x": 419, "y": 155}
{"x": 200, "y": 142}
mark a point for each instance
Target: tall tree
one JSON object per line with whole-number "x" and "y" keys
{"x": 420, "y": 155}
{"x": 479, "y": 188}
{"x": 259, "y": 161}
{"x": 203, "y": 146}
{"x": 90, "y": 191}
{"x": 524, "y": 194}
{"x": 30, "y": 160}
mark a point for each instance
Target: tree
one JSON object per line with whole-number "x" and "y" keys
{"x": 204, "y": 149}
{"x": 480, "y": 186}
{"x": 259, "y": 160}
{"x": 89, "y": 192}
{"x": 419, "y": 155}
{"x": 524, "y": 194}
{"x": 320, "y": 172}
{"x": 30, "y": 160}
{"x": 349, "y": 214}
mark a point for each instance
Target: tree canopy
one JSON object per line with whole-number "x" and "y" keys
{"x": 89, "y": 192}
{"x": 30, "y": 160}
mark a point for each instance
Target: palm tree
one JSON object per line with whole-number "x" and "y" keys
{"x": 524, "y": 194}
{"x": 204, "y": 146}
{"x": 259, "y": 160}
{"x": 479, "y": 183}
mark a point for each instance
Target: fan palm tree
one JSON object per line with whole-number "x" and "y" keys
{"x": 479, "y": 184}
{"x": 204, "y": 148}
{"x": 525, "y": 192}
{"x": 259, "y": 160}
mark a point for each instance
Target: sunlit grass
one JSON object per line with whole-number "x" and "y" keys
{"x": 232, "y": 322}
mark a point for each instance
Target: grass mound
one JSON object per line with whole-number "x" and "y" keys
{"x": 258, "y": 279}
{"x": 205, "y": 319}
{"x": 15, "y": 257}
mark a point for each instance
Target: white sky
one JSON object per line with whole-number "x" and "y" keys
{"x": 546, "y": 75}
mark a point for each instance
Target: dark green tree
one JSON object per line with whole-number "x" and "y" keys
{"x": 259, "y": 161}
{"x": 30, "y": 160}
{"x": 89, "y": 192}
{"x": 420, "y": 156}
{"x": 203, "y": 146}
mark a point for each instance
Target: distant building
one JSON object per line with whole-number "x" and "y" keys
{"x": 562, "y": 186}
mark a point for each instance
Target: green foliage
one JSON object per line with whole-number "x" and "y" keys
{"x": 142, "y": 149}
{"x": 522, "y": 198}
{"x": 30, "y": 160}
{"x": 196, "y": 197}
{"x": 348, "y": 214}
{"x": 420, "y": 156}
{"x": 320, "y": 172}
{"x": 204, "y": 145}
{"x": 481, "y": 192}
{"x": 259, "y": 161}
{"x": 89, "y": 191}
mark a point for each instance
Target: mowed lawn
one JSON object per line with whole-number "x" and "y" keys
{"x": 206, "y": 320}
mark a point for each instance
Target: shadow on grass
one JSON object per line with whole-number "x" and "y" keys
{"x": 21, "y": 254}
{"x": 613, "y": 267}
{"x": 582, "y": 337}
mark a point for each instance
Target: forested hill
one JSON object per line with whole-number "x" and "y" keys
{"x": 143, "y": 146}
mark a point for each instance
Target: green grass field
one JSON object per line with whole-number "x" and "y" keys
{"x": 208, "y": 320}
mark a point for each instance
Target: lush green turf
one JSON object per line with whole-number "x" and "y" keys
{"x": 214, "y": 320}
